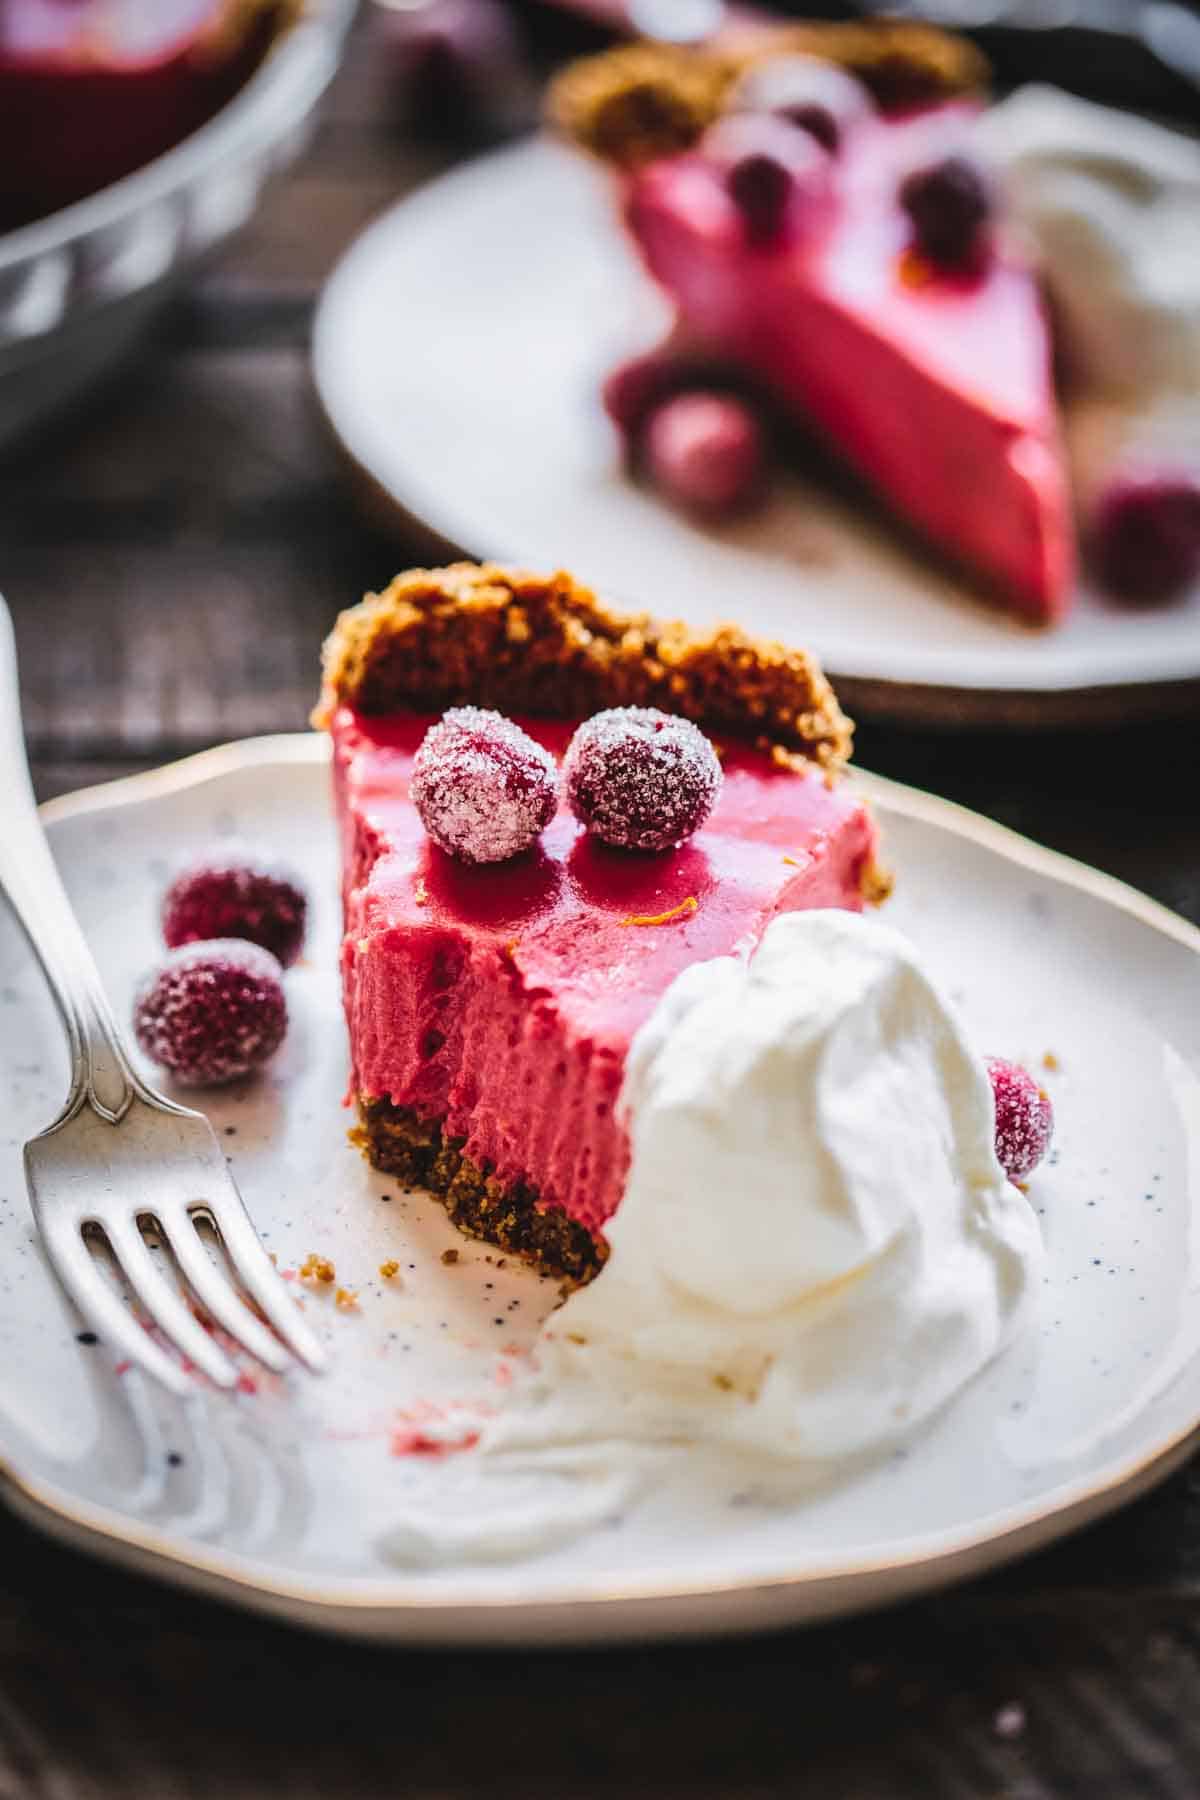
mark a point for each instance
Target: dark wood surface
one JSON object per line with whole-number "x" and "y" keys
{"x": 172, "y": 556}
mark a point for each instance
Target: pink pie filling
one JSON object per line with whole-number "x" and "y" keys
{"x": 936, "y": 387}
{"x": 499, "y": 1002}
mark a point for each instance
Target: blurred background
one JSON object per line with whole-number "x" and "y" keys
{"x": 177, "y": 530}
{"x": 177, "y": 533}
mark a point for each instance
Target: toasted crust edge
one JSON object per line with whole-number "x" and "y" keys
{"x": 545, "y": 645}
{"x": 395, "y": 1140}
{"x": 636, "y": 102}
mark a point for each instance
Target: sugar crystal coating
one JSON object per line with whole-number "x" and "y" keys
{"x": 211, "y": 1011}
{"x": 483, "y": 788}
{"x": 230, "y": 895}
{"x": 641, "y": 779}
{"x": 1024, "y": 1118}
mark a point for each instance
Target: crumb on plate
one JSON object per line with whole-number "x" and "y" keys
{"x": 317, "y": 1268}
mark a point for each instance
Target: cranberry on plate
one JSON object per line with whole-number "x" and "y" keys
{"x": 211, "y": 1012}
{"x": 229, "y": 895}
{"x": 1024, "y": 1118}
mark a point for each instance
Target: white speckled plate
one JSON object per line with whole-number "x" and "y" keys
{"x": 280, "y": 1496}
{"x": 472, "y": 403}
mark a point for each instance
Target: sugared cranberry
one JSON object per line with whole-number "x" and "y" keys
{"x": 817, "y": 96}
{"x": 705, "y": 451}
{"x": 949, "y": 203}
{"x": 212, "y": 1011}
{"x": 229, "y": 896}
{"x": 483, "y": 788}
{"x": 1024, "y": 1118}
{"x": 777, "y": 175}
{"x": 1146, "y": 533}
{"x": 641, "y": 779}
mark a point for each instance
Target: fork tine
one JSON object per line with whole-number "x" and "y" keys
{"x": 215, "y": 1293}
{"x": 262, "y": 1279}
{"x": 164, "y": 1305}
{"x": 72, "y": 1262}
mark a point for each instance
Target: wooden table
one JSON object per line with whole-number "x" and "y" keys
{"x": 173, "y": 556}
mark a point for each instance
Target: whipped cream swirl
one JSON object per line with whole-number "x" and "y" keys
{"x": 817, "y": 1246}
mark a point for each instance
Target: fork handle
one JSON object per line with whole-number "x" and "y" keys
{"x": 102, "y": 1075}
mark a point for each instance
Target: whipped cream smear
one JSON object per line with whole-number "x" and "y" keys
{"x": 1110, "y": 204}
{"x": 816, "y": 1250}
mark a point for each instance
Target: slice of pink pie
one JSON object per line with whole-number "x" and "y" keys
{"x": 490, "y": 1008}
{"x": 935, "y": 385}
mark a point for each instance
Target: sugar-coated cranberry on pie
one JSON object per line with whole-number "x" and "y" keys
{"x": 831, "y": 240}
{"x": 491, "y": 1003}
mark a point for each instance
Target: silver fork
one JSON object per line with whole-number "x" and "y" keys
{"x": 120, "y": 1155}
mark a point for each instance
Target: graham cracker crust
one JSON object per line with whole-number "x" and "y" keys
{"x": 637, "y": 102}
{"x": 544, "y": 645}
{"x": 395, "y": 1140}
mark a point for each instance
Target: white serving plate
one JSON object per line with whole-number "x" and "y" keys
{"x": 284, "y": 1494}
{"x": 458, "y": 353}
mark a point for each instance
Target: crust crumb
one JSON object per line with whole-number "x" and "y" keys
{"x": 876, "y": 884}
{"x": 318, "y": 1269}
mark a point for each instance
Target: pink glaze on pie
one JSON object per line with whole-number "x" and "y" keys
{"x": 936, "y": 386}
{"x": 500, "y": 1001}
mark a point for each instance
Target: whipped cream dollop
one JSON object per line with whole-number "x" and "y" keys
{"x": 817, "y": 1246}
{"x": 1111, "y": 204}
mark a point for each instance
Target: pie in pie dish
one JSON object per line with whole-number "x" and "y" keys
{"x": 491, "y": 1006}
{"x": 91, "y": 91}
